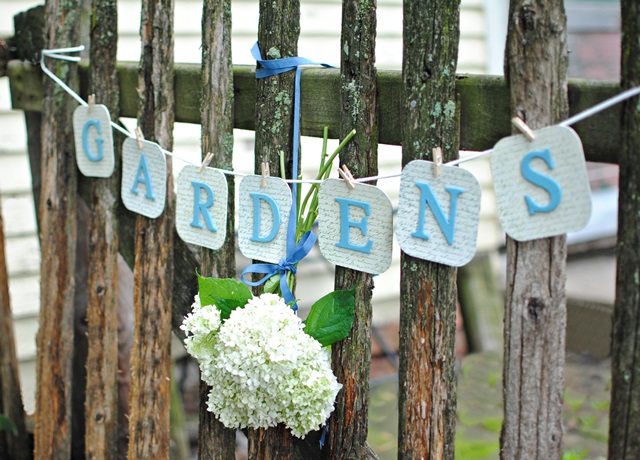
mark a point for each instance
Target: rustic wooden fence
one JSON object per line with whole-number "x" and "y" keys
{"x": 386, "y": 107}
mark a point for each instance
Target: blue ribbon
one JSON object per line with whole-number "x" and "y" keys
{"x": 295, "y": 253}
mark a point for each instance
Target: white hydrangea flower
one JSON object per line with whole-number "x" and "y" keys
{"x": 262, "y": 367}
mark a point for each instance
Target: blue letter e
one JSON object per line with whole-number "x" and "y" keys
{"x": 275, "y": 211}
{"x": 542, "y": 181}
{"x": 346, "y": 224}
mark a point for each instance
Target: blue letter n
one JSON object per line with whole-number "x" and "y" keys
{"x": 446, "y": 225}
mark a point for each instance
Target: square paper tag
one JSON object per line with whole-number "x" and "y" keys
{"x": 438, "y": 216}
{"x": 263, "y": 218}
{"x": 144, "y": 178}
{"x": 355, "y": 226}
{"x": 201, "y": 206}
{"x": 541, "y": 186}
{"x": 94, "y": 141}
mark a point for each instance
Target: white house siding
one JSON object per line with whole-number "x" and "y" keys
{"x": 319, "y": 41}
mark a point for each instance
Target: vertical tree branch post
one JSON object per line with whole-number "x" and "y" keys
{"x": 57, "y": 213}
{"x": 12, "y": 446}
{"x": 624, "y": 424}
{"x": 427, "y": 402}
{"x": 214, "y": 440}
{"x": 278, "y": 31}
{"x": 351, "y": 357}
{"x": 153, "y": 266}
{"x": 101, "y": 429}
{"x": 535, "y": 315}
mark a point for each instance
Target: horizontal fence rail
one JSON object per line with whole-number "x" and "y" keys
{"x": 485, "y": 115}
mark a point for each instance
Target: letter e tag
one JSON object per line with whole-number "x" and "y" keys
{"x": 438, "y": 216}
{"x": 542, "y": 187}
{"x": 144, "y": 178}
{"x": 201, "y": 206}
{"x": 263, "y": 217}
{"x": 94, "y": 141}
{"x": 355, "y": 226}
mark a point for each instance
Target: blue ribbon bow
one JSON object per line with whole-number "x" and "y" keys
{"x": 295, "y": 253}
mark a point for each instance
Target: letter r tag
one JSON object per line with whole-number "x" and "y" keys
{"x": 542, "y": 187}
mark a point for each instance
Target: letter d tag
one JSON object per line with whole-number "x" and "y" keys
{"x": 94, "y": 141}
{"x": 263, "y": 217}
{"x": 541, "y": 186}
{"x": 144, "y": 178}
{"x": 201, "y": 206}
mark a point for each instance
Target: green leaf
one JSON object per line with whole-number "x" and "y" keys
{"x": 225, "y": 293}
{"x": 272, "y": 284}
{"x": 331, "y": 317}
{"x": 6, "y": 424}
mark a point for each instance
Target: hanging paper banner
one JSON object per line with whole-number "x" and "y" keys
{"x": 355, "y": 226}
{"x": 263, "y": 216}
{"x": 94, "y": 141}
{"x": 201, "y": 206}
{"x": 542, "y": 187}
{"x": 144, "y": 178}
{"x": 438, "y": 216}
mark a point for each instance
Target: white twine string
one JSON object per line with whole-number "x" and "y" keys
{"x": 55, "y": 54}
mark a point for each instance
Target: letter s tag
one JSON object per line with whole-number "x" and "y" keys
{"x": 201, "y": 206}
{"x": 542, "y": 187}
{"x": 263, "y": 216}
{"x": 93, "y": 138}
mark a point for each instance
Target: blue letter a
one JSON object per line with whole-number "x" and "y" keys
{"x": 446, "y": 225}
{"x": 143, "y": 168}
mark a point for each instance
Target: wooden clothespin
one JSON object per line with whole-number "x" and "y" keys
{"x": 265, "y": 173}
{"x": 347, "y": 176}
{"x": 437, "y": 160}
{"x": 139, "y": 137}
{"x": 207, "y": 159}
{"x": 523, "y": 128}
{"x": 91, "y": 100}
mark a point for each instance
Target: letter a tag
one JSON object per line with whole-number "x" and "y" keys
{"x": 355, "y": 226}
{"x": 263, "y": 217}
{"x": 201, "y": 206}
{"x": 438, "y": 216}
{"x": 542, "y": 187}
{"x": 144, "y": 178}
{"x": 94, "y": 141}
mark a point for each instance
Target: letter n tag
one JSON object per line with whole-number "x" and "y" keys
{"x": 94, "y": 141}
{"x": 541, "y": 186}
{"x": 438, "y": 216}
{"x": 144, "y": 178}
{"x": 263, "y": 217}
{"x": 201, "y": 206}
{"x": 355, "y": 226}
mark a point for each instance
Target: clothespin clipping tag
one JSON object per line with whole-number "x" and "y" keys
{"x": 523, "y": 128}
{"x": 91, "y": 100}
{"x": 265, "y": 173}
{"x": 139, "y": 137}
{"x": 347, "y": 176}
{"x": 207, "y": 159}
{"x": 437, "y": 160}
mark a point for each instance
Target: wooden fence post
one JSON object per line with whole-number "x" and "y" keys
{"x": 153, "y": 266}
{"x": 12, "y": 445}
{"x": 57, "y": 214}
{"x": 101, "y": 398}
{"x": 535, "y": 316}
{"x": 351, "y": 357}
{"x": 214, "y": 440}
{"x": 427, "y": 400}
{"x": 278, "y": 31}
{"x": 624, "y": 420}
